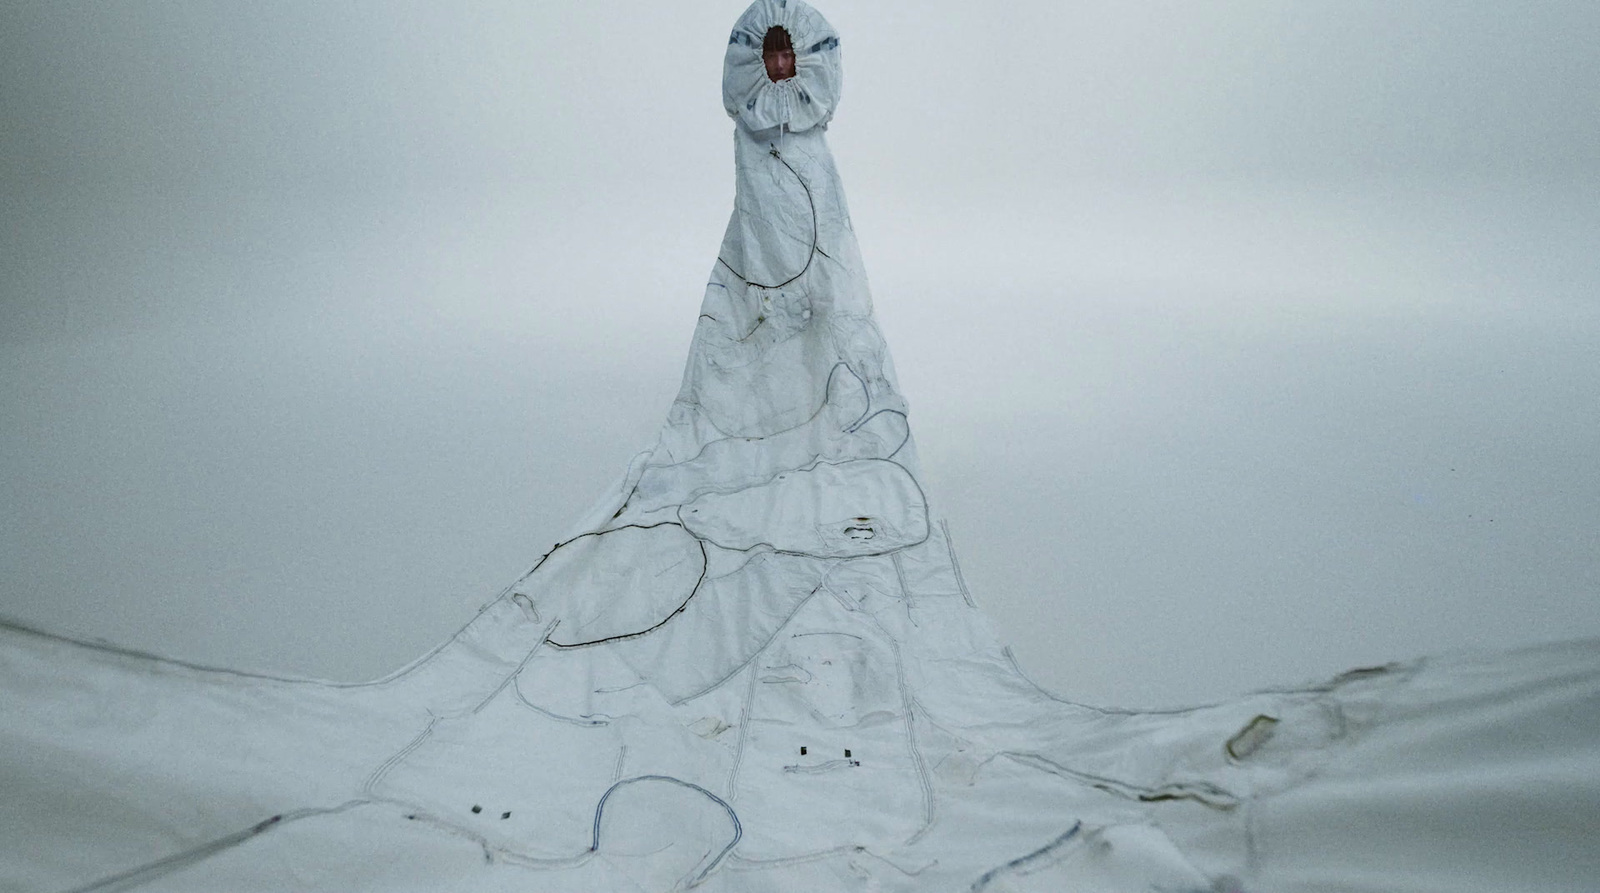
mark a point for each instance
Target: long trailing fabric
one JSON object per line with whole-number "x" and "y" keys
{"x": 755, "y": 666}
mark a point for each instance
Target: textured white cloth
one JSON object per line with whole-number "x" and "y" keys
{"x": 755, "y": 667}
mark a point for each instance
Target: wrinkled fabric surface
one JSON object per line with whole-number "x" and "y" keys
{"x": 755, "y": 667}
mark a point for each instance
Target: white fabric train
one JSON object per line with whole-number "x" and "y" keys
{"x": 755, "y": 667}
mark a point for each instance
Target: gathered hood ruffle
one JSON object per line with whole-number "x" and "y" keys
{"x": 802, "y": 102}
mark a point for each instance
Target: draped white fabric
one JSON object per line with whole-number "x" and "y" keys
{"x": 755, "y": 666}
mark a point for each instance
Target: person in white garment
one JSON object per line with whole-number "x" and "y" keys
{"x": 754, "y": 667}
{"x": 777, "y": 53}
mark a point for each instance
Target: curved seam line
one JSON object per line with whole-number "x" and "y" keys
{"x": 810, "y": 255}
{"x": 577, "y": 721}
{"x": 705, "y": 561}
{"x": 738, "y": 829}
{"x": 548, "y": 631}
{"x": 744, "y": 735}
{"x": 386, "y": 766}
{"x": 950, "y": 547}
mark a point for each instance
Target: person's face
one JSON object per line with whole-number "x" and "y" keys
{"x": 780, "y": 62}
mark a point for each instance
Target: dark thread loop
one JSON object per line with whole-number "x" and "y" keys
{"x": 810, "y": 255}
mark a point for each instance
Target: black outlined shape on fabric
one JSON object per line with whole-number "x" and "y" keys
{"x": 849, "y": 509}
{"x": 860, "y": 529}
{"x": 617, "y": 583}
{"x": 672, "y": 831}
{"x": 811, "y": 253}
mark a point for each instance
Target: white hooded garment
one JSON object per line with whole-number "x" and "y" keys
{"x": 755, "y": 667}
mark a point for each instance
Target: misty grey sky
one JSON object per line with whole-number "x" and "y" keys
{"x": 1246, "y": 342}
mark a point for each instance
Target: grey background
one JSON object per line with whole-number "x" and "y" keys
{"x": 1247, "y": 342}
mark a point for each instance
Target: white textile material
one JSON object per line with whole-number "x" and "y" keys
{"x": 755, "y": 667}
